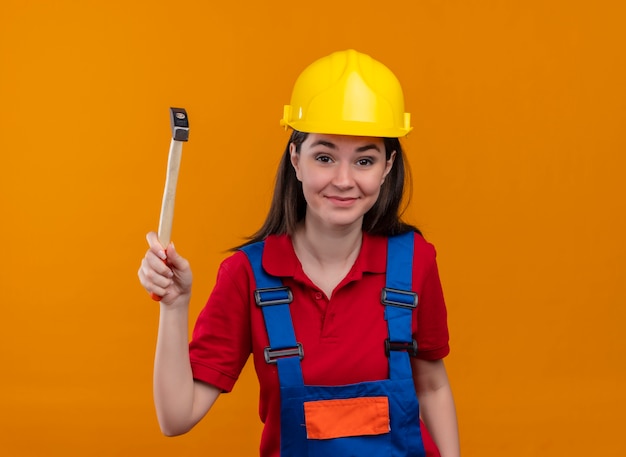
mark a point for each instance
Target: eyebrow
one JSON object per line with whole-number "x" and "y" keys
{"x": 331, "y": 145}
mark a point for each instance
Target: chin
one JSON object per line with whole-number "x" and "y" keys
{"x": 344, "y": 222}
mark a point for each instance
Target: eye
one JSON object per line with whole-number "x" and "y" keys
{"x": 365, "y": 161}
{"x": 323, "y": 158}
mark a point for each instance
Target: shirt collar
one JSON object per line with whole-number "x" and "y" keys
{"x": 279, "y": 257}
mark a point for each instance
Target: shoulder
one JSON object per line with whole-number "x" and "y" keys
{"x": 422, "y": 248}
{"x": 424, "y": 256}
{"x": 275, "y": 252}
{"x": 236, "y": 261}
{"x": 235, "y": 270}
{"x": 375, "y": 249}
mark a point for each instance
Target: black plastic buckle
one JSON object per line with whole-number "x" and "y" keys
{"x": 272, "y": 355}
{"x": 410, "y": 347}
{"x": 400, "y": 298}
{"x": 275, "y": 296}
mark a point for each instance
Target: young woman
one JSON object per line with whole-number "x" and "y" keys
{"x": 336, "y": 298}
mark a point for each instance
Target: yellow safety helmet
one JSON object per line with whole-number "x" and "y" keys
{"x": 348, "y": 93}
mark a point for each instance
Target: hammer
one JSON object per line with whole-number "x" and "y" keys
{"x": 180, "y": 132}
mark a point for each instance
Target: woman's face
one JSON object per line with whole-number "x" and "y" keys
{"x": 341, "y": 176}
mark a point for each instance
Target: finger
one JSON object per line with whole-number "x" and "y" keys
{"x": 153, "y": 262}
{"x": 155, "y": 245}
{"x": 155, "y": 270}
{"x": 154, "y": 284}
{"x": 175, "y": 260}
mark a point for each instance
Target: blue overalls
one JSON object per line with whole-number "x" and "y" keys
{"x": 374, "y": 418}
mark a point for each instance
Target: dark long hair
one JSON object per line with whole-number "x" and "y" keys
{"x": 288, "y": 206}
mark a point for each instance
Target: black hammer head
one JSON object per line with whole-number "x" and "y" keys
{"x": 180, "y": 124}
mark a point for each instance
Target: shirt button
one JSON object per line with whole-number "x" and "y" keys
{"x": 318, "y": 295}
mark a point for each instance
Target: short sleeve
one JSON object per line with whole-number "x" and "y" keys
{"x": 220, "y": 344}
{"x": 431, "y": 325}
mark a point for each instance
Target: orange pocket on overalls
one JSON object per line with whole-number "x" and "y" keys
{"x": 326, "y": 419}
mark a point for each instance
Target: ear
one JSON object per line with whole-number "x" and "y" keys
{"x": 295, "y": 160}
{"x": 388, "y": 166}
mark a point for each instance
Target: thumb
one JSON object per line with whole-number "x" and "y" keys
{"x": 174, "y": 259}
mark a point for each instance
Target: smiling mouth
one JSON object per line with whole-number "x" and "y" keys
{"x": 342, "y": 201}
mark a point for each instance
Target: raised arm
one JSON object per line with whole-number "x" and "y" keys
{"x": 180, "y": 401}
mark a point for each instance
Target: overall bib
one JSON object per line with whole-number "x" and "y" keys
{"x": 374, "y": 418}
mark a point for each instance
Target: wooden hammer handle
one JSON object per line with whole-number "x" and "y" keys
{"x": 169, "y": 193}
{"x": 169, "y": 197}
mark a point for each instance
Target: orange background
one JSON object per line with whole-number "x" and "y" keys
{"x": 518, "y": 161}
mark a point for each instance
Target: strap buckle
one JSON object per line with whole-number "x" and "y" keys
{"x": 410, "y": 347}
{"x": 399, "y": 298}
{"x": 273, "y": 296}
{"x": 272, "y": 355}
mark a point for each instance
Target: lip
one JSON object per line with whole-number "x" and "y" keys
{"x": 341, "y": 201}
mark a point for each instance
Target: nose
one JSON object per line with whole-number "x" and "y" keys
{"x": 343, "y": 178}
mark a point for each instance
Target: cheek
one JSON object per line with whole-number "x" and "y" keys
{"x": 312, "y": 182}
{"x": 372, "y": 186}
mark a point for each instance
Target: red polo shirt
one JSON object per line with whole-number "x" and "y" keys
{"x": 342, "y": 336}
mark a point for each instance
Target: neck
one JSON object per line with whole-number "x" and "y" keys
{"x": 329, "y": 246}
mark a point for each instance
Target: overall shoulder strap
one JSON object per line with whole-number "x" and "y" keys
{"x": 274, "y": 299}
{"x": 400, "y": 301}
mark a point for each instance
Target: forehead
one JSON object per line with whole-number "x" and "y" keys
{"x": 344, "y": 142}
